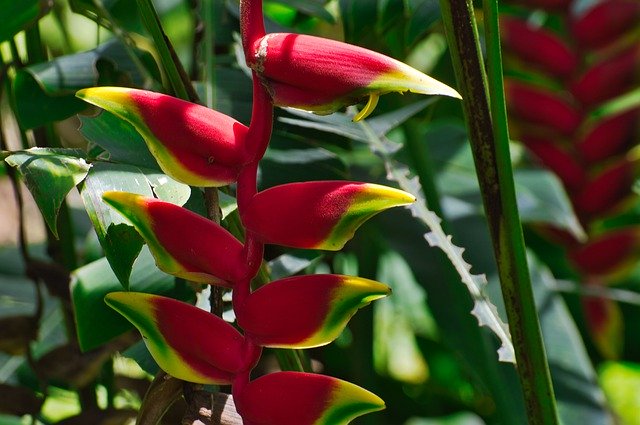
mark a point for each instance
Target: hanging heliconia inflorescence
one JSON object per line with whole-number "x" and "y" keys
{"x": 561, "y": 77}
{"x": 202, "y": 147}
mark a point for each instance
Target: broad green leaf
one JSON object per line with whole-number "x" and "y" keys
{"x": 423, "y": 16}
{"x": 119, "y": 138}
{"x": 620, "y": 382}
{"x": 293, "y": 262}
{"x": 45, "y": 92}
{"x": 19, "y": 15}
{"x": 314, "y": 8}
{"x": 96, "y": 323}
{"x": 121, "y": 242}
{"x": 455, "y": 419}
{"x": 398, "y": 320}
{"x": 10, "y": 420}
{"x": 167, "y": 189}
{"x": 580, "y": 399}
{"x": 50, "y": 174}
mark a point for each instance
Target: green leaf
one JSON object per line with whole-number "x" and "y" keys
{"x": 19, "y": 15}
{"x": 45, "y": 92}
{"x": 314, "y": 8}
{"x": 542, "y": 199}
{"x": 399, "y": 320}
{"x": 620, "y": 382}
{"x": 292, "y": 263}
{"x": 50, "y": 174}
{"x": 96, "y": 323}
{"x": 424, "y": 15}
{"x": 121, "y": 242}
{"x": 119, "y": 138}
{"x": 455, "y": 419}
{"x": 580, "y": 399}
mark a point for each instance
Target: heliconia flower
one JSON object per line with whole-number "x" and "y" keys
{"x": 317, "y": 215}
{"x": 558, "y": 160}
{"x": 606, "y": 325}
{"x": 608, "y": 78}
{"x": 185, "y": 341}
{"x": 305, "y": 311}
{"x": 607, "y": 137}
{"x": 609, "y": 255}
{"x": 182, "y": 242}
{"x": 607, "y": 190}
{"x": 193, "y": 144}
{"x": 322, "y": 75}
{"x": 297, "y": 398}
{"x": 546, "y": 4}
{"x": 541, "y": 107}
{"x": 550, "y": 52}
{"x": 605, "y": 21}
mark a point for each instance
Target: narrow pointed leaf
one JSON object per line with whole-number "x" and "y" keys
{"x": 183, "y": 243}
{"x": 305, "y": 311}
{"x": 193, "y": 144}
{"x": 294, "y": 398}
{"x": 320, "y": 215}
{"x": 185, "y": 341}
{"x": 322, "y": 75}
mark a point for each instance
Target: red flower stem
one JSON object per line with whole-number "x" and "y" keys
{"x": 259, "y": 133}
{"x": 251, "y": 23}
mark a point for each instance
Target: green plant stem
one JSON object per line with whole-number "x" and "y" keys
{"x": 492, "y": 160}
{"x": 210, "y": 58}
{"x": 173, "y": 69}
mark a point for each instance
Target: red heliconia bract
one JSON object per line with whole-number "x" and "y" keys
{"x": 541, "y": 107}
{"x": 295, "y": 398}
{"x": 322, "y": 75}
{"x": 182, "y": 242}
{"x": 608, "y": 78}
{"x": 550, "y": 52}
{"x": 193, "y": 144}
{"x": 608, "y": 137}
{"x": 606, "y": 325}
{"x": 305, "y": 311}
{"x": 187, "y": 342}
{"x": 318, "y": 215}
{"x": 607, "y": 190}
{"x": 559, "y": 161}
{"x": 607, "y": 254}
{"x": 605, "y": 21}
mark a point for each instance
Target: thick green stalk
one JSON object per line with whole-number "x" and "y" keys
{"x": 492, "y": 160}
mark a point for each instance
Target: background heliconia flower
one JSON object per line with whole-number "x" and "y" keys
{"x": 305, "y": 311}
{"x": 606, "y": 324}
{"x": 185, "y": 341}
{"x": 295, "y": 398}
{"x": 193, "y": 144}
{"x": 318, "y": 215}
{"x": 609, "y": 255}
{"x": 550, "y": 53}
{"x": 322, "y": 75}
{"x": 183, "y": 243}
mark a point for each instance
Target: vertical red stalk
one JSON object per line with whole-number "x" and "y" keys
{"x": 251, "y": 23}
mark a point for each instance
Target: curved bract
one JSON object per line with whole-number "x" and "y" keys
{"x": 193, "y": 144}
{"x": 295, "y": 398}
{"x": 319, "y": 215}
{"x": 185, "y": 341}
{"x": 322, "y": 75}
{"x": 305, "y": 311}
{"x": 183, "y": 243}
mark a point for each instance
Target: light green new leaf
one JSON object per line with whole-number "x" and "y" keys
{"x": 50, "y": 174}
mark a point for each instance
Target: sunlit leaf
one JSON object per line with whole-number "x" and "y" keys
{"x": 50, "y": 174}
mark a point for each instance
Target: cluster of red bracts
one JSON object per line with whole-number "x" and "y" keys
{"x": 202, "y": 147}
{"x": 593, "y": 60}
